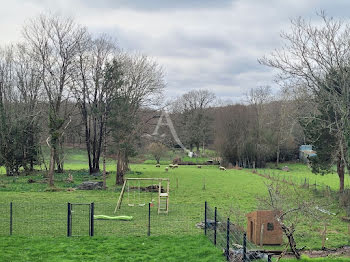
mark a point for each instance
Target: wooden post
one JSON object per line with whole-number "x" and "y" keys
{"x": 92, "y": 211}
{"x": 215, "y": 225}
{"x": 205, "y": 218}
{"x": 11, "y": 218}
{"x": 149, "y": 220}
{"x": 69, "y": 210}
{"x": 228, "y": 240}
{"x": 121, "y": 196}
{"x": 261, "y": 235}
{"x": 324, "y": 234}
{"x": 159, "y": 192}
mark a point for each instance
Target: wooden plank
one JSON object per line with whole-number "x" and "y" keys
{"x": 120, "y": 197}
{"x": 148, "y": 178}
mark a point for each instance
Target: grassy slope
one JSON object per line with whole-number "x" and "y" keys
{"x": 223, "y": 189}
{"x": 298, "y": 173}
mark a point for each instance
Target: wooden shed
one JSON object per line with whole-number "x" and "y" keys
{"x": 263, "y": 227}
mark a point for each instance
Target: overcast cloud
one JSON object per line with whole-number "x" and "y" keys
{"x": 200, "y": 44}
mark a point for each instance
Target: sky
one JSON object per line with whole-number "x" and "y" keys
{"x": 200, "y": 44}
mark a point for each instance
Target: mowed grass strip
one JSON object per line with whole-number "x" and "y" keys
{"x": 175, "y": 248}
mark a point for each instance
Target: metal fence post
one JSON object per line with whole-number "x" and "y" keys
{"x": 11, "y": 218}
{"x": 215, "y": 223}
{"x": 205, "y": 218}
{"x": 269, "y": 258}
{"x": 68, "y": 219}
{"x": 228, "y": 240}
{"x": 149, "y": 220}
{"x": 92, "y": 210}
{"x": 244, "y": 247}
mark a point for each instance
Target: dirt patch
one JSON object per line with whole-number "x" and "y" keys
{"x": 337, "y": 252}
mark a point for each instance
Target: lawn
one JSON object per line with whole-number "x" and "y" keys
{"x": 175, "y": 248}
{"x": 190, "y": 186}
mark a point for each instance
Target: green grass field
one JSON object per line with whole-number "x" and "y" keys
{"x": 299, "y": 172}
{"x": 189, "y": 188}
{"x": 175, "y": 248}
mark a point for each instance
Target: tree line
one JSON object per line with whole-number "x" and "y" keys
{"x": 61, "y": 83}
{"x": 60, "y": 71}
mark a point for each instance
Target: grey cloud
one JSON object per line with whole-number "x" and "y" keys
{"x": 200, "y": 44}
{"x": 157, "y": 4}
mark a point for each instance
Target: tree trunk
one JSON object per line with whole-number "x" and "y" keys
{"x": 293, "y": 246}
{"x": 58, "y": 161}
{"x": 99, "y": 144}
{"x": 340, "y": 171}
{"x": 125, "y": 163}
{"x": 8, "y": 171}
{"x": 104, "y": 167}
{"x": 31, "y": 166}
{"x": 87, "y": 137}
{"x": 120, "y": 168}
{"x": 52, "y": 167}
{"x": 278, "y": 156}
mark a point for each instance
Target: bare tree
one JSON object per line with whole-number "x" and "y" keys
{"x": 91, "y": 95}
{"x": 315, "y": 62}
{"x": 142, "y": 85}
{"x": 29, "y": 86}
{"x": 293, "y": 207}
{"x": 283, "y": 122}
{"x": 19, "y": 96}
{"x": 54, "y": 43}
{"x": 258, "y": 98}
{"x": 157, "y": 150}
{"x": 192, "y": 109}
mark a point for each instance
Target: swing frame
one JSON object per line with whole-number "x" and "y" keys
{"x": 159, "y": 180}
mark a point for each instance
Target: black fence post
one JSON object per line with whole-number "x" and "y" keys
{"x": 149, "y": 219}
{"x": 228, "y": 240}
{"x": 68, "y": 220}
{"x": 205, "y": 218}
{"x": 269, "y": 258}
{"x": 244, "y": 247}
{"x": 92, "y": 210}
{"x": 11, "y": 218}
{"x": 215, "y": 223}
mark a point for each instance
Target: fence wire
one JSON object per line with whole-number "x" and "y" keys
{"x": 45, "y": 219}
{"x": 230, "y": 238}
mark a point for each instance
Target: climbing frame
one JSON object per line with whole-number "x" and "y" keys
{"x": 163, "y": 195}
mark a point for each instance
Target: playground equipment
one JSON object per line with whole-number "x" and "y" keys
{"x": 104, "y": 217}
{"x": 163, "y": 193}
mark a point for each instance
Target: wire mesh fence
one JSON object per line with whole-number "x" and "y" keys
{"x": 80, "y": 219}
{"x": 47, "y": 219}
{"x": 230, "y": 238}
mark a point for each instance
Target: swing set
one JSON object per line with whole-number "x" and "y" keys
{"x": 131, "y": 191}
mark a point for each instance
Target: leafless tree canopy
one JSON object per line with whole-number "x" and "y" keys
{"x": 314, "y": 62}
